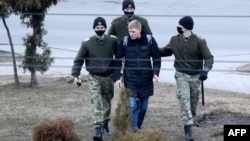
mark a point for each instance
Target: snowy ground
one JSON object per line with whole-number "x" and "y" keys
{"x": 224, "y": 24}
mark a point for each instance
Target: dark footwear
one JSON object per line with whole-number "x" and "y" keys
{"x": 97, "y": 139}
{"x": 98, "y": 136}
{"x": 135, "y": 130}
{"x": 139, "y": 125}
{"x": 188, "y": 133}
{"x": 105, "y": 130}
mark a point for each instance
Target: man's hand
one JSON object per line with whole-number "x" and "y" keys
{"x": 203, "y": 75}
{"x": 155, "y": 78}
{"x": 118, "y": 83}
{"x": 77, "y": 82}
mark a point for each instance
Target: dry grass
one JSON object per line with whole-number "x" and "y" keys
{"x": 61, "y": 130}
{"x": 121, "y": 120}
{"x": 143, "y": 135}
{"x": 25, "y": 108}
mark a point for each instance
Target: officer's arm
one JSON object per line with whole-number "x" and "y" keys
{"x": 166, "y": 50}
{"x": 79, "y": 60}
{"x": 146, "y": 28}
{"x": 206, "y": 55}
{"x": 111, "y": 30}
{"x": 118, "y": 61}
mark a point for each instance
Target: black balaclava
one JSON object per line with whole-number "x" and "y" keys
{"x": 128, "y": 3}
{"x": 179, "y": 30}
{"x": 99, "y": 21}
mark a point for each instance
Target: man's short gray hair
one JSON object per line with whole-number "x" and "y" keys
{"x": 134, "y": 24}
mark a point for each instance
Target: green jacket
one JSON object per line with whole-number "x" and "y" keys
{"x": 98, "y": 56}
{"x": 119, "y": 26}
{"x": 190, "y": 54}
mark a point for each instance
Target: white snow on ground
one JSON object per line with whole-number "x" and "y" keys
{"x": 227, "y": 35}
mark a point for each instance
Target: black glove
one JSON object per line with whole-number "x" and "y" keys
{"x": 203, "y": 75}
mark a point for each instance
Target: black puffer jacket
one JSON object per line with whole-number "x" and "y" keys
{"x": 138, "y": 70}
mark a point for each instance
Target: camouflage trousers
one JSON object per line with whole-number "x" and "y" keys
{"x": 102, "y": 92}
{"x": 187, "y": 92}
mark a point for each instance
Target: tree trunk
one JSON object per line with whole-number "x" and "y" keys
{"x": 13, "y": 53}
{"x": 33, "y": 80}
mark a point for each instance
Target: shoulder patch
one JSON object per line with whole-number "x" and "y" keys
{"x": 113, "y": 36}
{"x": 86, "y": 39}
{"x": 200, "y": 37}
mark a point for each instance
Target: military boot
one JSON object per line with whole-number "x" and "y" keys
{"x": 105, "y": 129}
{"x": 98, "y": 136}
{"x": 188, "y": 133}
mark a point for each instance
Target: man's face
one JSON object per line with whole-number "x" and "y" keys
{"x": 99, "y": 27}
{"x": 99, "y": 30}
{"x": 134, "y": 33}
{"x": 129, "y": 9}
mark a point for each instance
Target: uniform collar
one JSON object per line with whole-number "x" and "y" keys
{"x": 100, "y": 39}
{"x": 126, "y": 19}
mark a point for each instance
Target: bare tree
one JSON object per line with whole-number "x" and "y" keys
{"x": 32, "y": 14}
{"x": 5, "y": 12}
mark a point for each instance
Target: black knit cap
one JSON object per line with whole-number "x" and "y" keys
{"x": 99, "y": 21}
{"x": 126, "y": 4}
{"x": 187, "y": 22}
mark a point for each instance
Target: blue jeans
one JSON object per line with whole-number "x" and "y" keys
{"x": 138, "y": 109}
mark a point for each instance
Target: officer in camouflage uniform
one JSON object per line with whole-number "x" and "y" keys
{"x": 191, "y": 55}
{"x": 119, "y": 25}
{"x": 98, "y": 52}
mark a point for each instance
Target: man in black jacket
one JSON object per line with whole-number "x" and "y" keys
{"x": 139, "y": 72}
